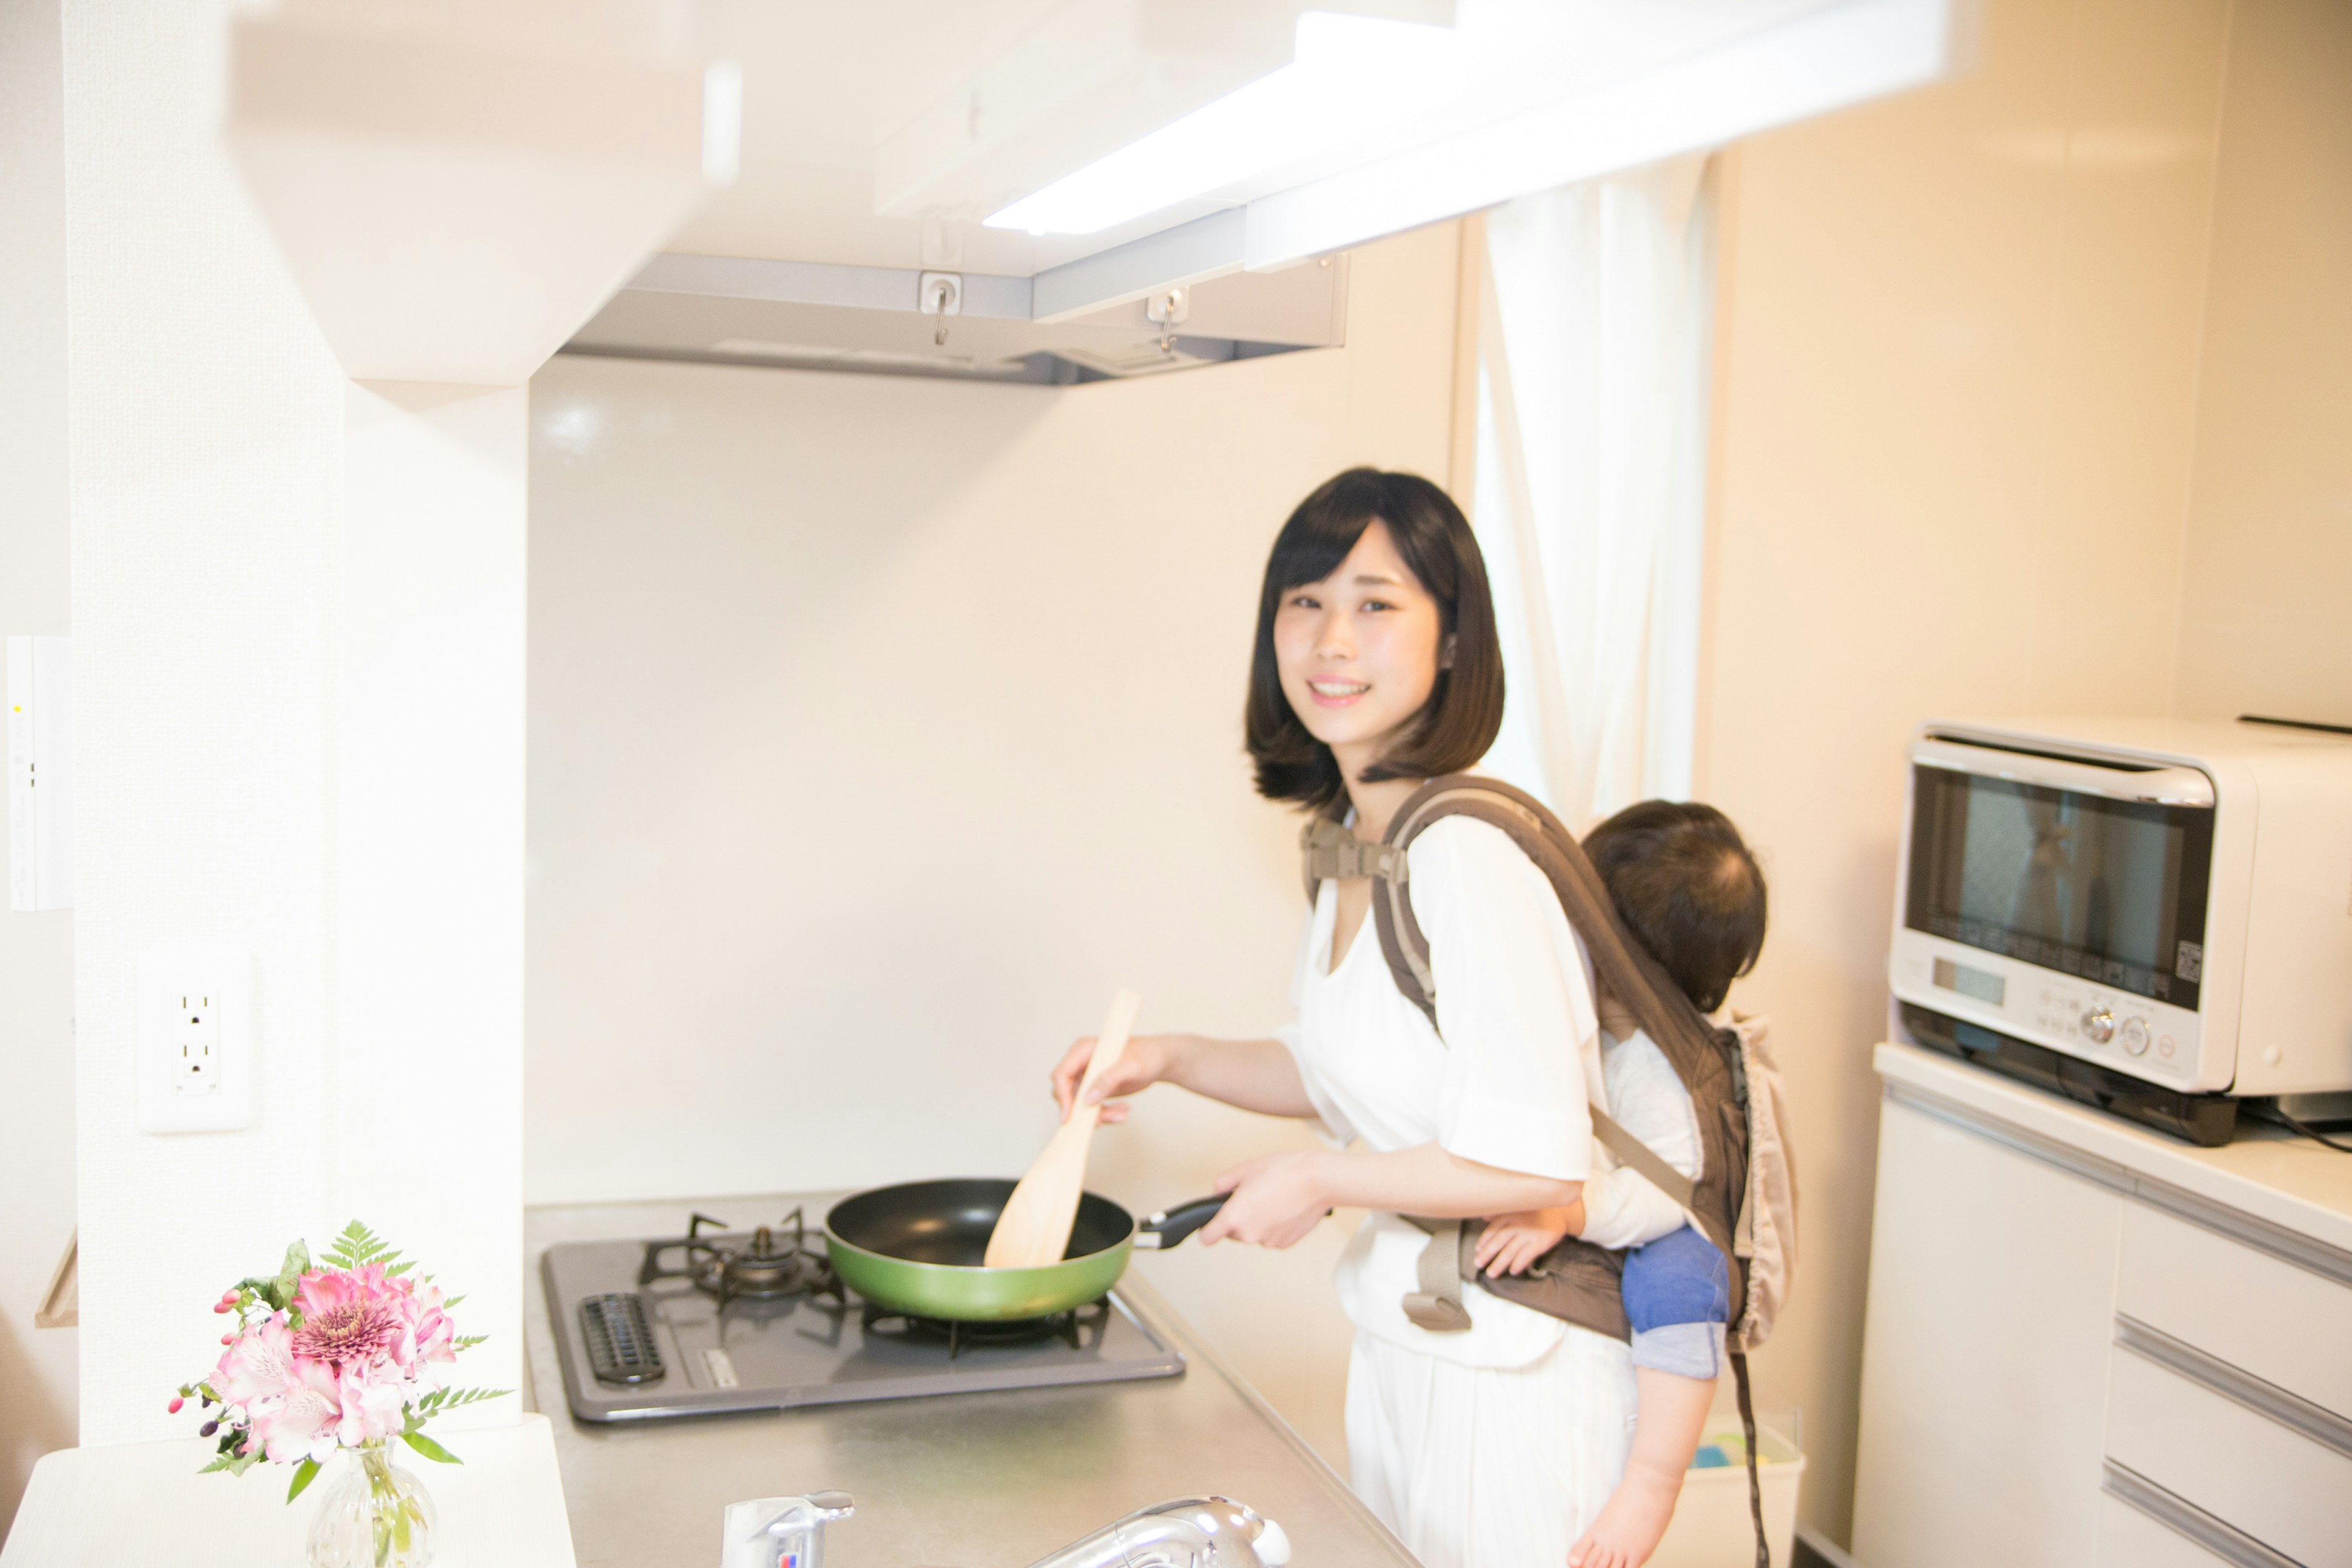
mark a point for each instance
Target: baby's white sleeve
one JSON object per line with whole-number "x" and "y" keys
{"x": 1622, "y": 1209}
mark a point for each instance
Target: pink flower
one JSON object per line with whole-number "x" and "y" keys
{"x": 302, "y": 1422}
{"x": 351, "y": 1318}
{"x": 259, "y": 1364}
{"x": 373, "y": 1408}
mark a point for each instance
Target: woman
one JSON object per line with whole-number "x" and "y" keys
{"x": 1377, "y": 668}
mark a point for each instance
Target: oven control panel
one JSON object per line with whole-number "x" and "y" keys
{"x": 2104, "y": 1023}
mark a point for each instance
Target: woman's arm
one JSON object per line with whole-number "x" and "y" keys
{"x": 1256, "y": 1075}
{"x": 1277, "y": 1198}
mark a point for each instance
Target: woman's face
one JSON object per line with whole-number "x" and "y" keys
{"x": 1358, "y": 652}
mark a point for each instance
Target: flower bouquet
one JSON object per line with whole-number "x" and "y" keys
{"x": 345, "y": 1354}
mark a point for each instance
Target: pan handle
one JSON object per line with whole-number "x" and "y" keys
{"x": 1169, "y": 1227}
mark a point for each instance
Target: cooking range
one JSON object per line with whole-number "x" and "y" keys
{"x": 725, "y": 1319}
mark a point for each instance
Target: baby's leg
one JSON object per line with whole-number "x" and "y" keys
{"x": 1672, "y": 1411}
{"x": 1677, "y": 1297}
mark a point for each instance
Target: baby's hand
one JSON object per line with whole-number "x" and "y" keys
{"x": 1512, "y": 1242}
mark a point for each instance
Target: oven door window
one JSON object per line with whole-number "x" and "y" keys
{"x": 2111, "y": 890}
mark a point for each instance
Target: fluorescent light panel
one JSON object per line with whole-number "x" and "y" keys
{"x": 1349, "y": 77}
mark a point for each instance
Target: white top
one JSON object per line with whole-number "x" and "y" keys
{"x": 1507, "y": 1086}
{"x": 1622, "y": 1207}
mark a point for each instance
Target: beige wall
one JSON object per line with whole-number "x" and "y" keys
{"x": 1956, "y": 394}
{"x": 2266, "y": 621}
{"x": 37, "y": 1173}
{"x": 880, "y": 727}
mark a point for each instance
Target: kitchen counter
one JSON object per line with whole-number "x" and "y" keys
{"x": 972, "y": 1480}
{"x": 2275, "y": 1180}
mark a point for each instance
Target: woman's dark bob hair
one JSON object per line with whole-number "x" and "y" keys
{"x": 1466, "y": 708}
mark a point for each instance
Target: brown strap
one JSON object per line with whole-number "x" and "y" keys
{"x": 1334, "y": 853}
{"x": 1437, "y": 1305}
{"x": 1639, "y": 1156}
{"x": 1691, "y": 1045}
{"x": 1755, "y": 1486}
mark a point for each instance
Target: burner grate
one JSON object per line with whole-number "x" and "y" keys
{"x": 1081, "y": 1328}
{"x": 620, "y": 1343}
{"x": 775, "y": 1262}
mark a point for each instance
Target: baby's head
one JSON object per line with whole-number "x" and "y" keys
{"x": 1687, "y": 889}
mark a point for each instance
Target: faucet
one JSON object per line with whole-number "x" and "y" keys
{"x": 1183, "y": 1533}
{"x": 783, "y": 1533}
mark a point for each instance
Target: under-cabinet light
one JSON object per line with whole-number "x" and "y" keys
{"x": 1349, "y": 77}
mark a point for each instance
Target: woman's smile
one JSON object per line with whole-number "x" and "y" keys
{"x": 1330, "y": 691}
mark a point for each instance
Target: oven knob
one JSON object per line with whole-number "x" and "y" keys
{"x": 2099, "y": 1025}
{"x": 2135, "y": 1036}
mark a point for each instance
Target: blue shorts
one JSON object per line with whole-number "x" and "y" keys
{"x": 1678, "y": 1298}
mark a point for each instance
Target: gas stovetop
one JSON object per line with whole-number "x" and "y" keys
{"x": 721, "y": 1319}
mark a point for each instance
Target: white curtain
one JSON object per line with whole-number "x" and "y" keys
{"x": 1594, "y": 340}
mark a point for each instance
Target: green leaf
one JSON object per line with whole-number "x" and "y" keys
{"x": 304, "y": 1474}
{"x": 221, "y": 1463}
{"x": 467, "y": 1341}
{"x": 358, "y": 1247}
{"x": 429, "y": 1448}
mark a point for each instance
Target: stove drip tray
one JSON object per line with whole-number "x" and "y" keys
{"x": 757, "y": 1321}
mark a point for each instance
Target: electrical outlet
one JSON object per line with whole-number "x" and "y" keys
{"x": 197, "y": 1024}
{"x": 197, "y": 1038}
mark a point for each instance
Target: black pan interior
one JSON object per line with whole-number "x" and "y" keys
{"x": 950, "y": 1221}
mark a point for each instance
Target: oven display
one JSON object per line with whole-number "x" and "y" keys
{"x": 2111, "y": 890}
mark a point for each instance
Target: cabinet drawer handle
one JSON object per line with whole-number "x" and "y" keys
{"x": 2291, "y": 1411}
{"x": 2185, "y": 1519}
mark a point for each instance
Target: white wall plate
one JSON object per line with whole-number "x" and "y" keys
{"x": 198, "y": 1043}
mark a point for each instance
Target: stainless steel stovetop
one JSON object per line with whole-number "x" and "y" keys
{"x": 722, "y": 1320}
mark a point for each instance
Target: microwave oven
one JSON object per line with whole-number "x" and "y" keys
{"x": 2150, "y": 915}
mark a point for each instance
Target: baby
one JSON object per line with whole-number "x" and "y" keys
{"x": 1691, "y": 894}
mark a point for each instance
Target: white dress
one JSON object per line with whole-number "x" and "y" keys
{"x": 1493, "y": 1448}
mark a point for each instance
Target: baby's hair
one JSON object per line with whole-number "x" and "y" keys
{"x": 1686, "y": 886}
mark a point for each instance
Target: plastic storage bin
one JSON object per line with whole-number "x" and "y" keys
{"x": 1711, "y": 1527}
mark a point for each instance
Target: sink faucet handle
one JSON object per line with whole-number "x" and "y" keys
{"x": 782, "y": 1531}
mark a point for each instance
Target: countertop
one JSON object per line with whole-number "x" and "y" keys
{"x": 2276, "y": 1179}
{"x": 144, "y": 1502}
{"x": 972, "y": 1480}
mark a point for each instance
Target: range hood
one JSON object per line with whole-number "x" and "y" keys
{"x": 963, "y": 326}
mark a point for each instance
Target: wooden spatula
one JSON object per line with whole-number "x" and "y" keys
{"x": 1034, "y": 1228}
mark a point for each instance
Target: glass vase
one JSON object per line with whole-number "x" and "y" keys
{"x": 376, "y": 1515}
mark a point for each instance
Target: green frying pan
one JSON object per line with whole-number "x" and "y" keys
{"x": 916, "y": 1247}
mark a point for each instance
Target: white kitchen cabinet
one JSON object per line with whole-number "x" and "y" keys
{"x": 1984, "y": 1354}
{"x": 2087, "y": 1343}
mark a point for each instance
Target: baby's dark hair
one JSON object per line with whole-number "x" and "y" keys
{"x": 1686, "y": 886}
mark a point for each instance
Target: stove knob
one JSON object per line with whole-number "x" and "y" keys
{"x": 2099, "y": 1025}
{"x": 2135, "y": 1036}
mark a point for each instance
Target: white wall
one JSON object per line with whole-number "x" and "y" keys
{"x": 1972, "y": 377}
{"x": 2268, "y": 576}
{"x": 297, "y": 608}
{"x": 37, "y": 1173}
{"x": 880, "y": 728}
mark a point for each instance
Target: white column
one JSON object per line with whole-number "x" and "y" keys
{"x": 298, "y": 604}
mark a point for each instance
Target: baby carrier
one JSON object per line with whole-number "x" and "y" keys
{"x": 1745, "y": 1198}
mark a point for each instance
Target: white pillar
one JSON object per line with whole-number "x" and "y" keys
{"x": 298, "y": 606}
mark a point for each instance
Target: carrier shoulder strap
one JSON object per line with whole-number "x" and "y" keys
{"x": 1688, "y": 1041}
{"x": 1709, "y": 1072}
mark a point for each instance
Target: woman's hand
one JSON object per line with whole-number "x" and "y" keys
{"x": 1512, "y": 1242}
{"x": 1276, "y": 1200}
{"x": 1145, "y": 1062}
